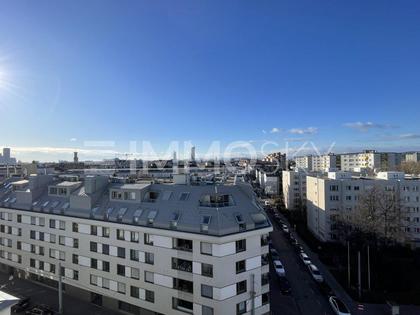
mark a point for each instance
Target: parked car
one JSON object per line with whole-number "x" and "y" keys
{"x": 274, "y": 254}
{"x": 338, "y": 306}
{"x": 285, "y": 228}
{"x": 315, "y": 273}
{"x": 284, "y": 286}
{"x": 278, "y": 266}
{"x": 22, "y": 305}
{"x": 40, "y": 309}
{"x": 305, "y": 258}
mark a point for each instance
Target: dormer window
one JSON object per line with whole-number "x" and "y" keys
{"x": 151, "y": 196}
{"x": 216, "y": 201}
{"x": 151, "y": 217}
{"x": 174, "y": 220}
{"x": 117, "y": 195}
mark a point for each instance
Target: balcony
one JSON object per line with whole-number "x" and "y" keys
{"x": 182, "y": 264}
{"x": 183, "y": 285}
{"x": 182, "y": 244}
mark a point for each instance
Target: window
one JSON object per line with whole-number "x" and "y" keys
{"x": 241, "y": 308}
{"x": 75, "y": 227}
{"x": 148, "y": 276}
{"x": 265, "y": 298}
{"x": 265, "y": 279}
{"x": 121, "y": 252}
{"x": 76, "y": 243}
{"x": 93, "y": 263}
{"x": 93, "y": 230}
{"x": 120, "y": 234}
{"x": 52, "y": 224}
{"x": 183, "y": 285}
{"x": 134, "y": 292}
{"x": 134, "y": 254}
{"x": 135, "y": 273}
{"x": 183, "y": 244}
{"x": 62, "y": 225}
{"x": 150, "y": 258}
{"x": 206, "y": 310}
{"x": 105, "y": 266}
{"x": 61, "y": 240}
{"x": 150, "y": 296}
{"x": 207, "y": 291}
{"x": 148, "y": 239}
{"x": 206, "y": 248}
{"x": 240, "y": 246}
{"x": 93, "y": 247}
{"x": 121, "y": 287}
{"x": 105, "y": 283}
{"x": 75, "y": 259}
{"x": 182, "y": 305}
{"x": 33, "y": 220}
{"x": 134, "y": 237}
{"x": 105, "y": 249}
{"x": 32, "y": 235}
{"x": 181, "y": 264}
{"x": 75, "y": 275}
{"x": 121, "y": 270}
{"x": 19, "y": 218}
{"x": 241, "y": 287}
{"x": 240, "y": 266}
{"x": 207, "y": 270}
{"x": 93, "y": 280}
{"x": 32, "y": 263}
{"x": 105, "y": 232}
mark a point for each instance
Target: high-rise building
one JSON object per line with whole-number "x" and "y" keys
{"x": 75, "y": 158}
{"x": 142, "y": 248}
{"x": 193, "y": 153}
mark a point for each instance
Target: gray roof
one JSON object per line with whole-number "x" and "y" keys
{"x": 176, "y": 207}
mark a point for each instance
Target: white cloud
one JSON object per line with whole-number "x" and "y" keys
{"x": 73, "y": 139}
{"x": 304, "y": 131}
{"x": 366, "y": 126}
{"x": 275, "y": 130}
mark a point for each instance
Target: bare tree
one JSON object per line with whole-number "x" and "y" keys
{"x": 410, "y": 167}
{"x": 379, "y": 214}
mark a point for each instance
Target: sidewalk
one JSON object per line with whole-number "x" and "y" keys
{"x": 42, "y": 294}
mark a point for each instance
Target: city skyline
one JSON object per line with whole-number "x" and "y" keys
{"x": 205, "y": 72}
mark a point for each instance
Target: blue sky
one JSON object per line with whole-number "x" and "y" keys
{"x": 343, "y": 72}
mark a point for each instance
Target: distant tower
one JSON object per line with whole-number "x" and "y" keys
{"x": 75, "y": 158}
{"x": 193, "y": 154}
{"x": 6, "y": 154}
{"x": 174, "y": 157}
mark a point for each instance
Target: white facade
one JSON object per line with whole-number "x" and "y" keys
{"x": 294, "y": 189}
{"x": 328, "y": 196}
{"x": 370, "y": 160}
{"x": 134, "y": 263}
{"x": 317, "y": 163}
{"x": 412, "y": 157}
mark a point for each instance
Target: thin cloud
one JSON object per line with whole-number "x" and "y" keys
{"x": 73, "y": 139}
{"x": 410, "y": 136}
{"x": 304, "y": 131}
{"x": 263, "y": 131}
{"x": 366, "y": 126}
{"x": 275, "y": 130}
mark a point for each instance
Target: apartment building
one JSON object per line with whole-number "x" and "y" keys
{"x": 412, "y": 157}
{"x": 370, "y": 159}
{"x": 269, "y": 182}
{"x": 340, "y": 192}
{"x": 317, "y": 163}
{"x": 294, "y": 189}
{"x": 139, "y": 248}
{"x": 277, "y": 158}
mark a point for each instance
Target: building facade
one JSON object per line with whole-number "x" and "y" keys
{"x": 294, "y": 189}
{"x": 317, "y": 163}
{"x": 340, "y": 192}
{"x": 139, "y": 248}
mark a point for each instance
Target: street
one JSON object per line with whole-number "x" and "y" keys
{"x": 306, "y": 297}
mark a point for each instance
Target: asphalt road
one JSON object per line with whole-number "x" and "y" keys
{"x": 306, "y": 298}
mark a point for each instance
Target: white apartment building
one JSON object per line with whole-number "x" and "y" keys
{"x": 294, "y": 189}
{"x": 317, "y": 163}
{"x": 370, "y": 159}
{"x": 270, "y": 183}
{"x": 340, "y": 191}
{"x": 139, "y": 248}
{"x": 412, "y": 157}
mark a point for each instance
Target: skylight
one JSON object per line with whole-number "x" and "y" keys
{"x": 184, "y": 196}
{"x": 166, "y": 195}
